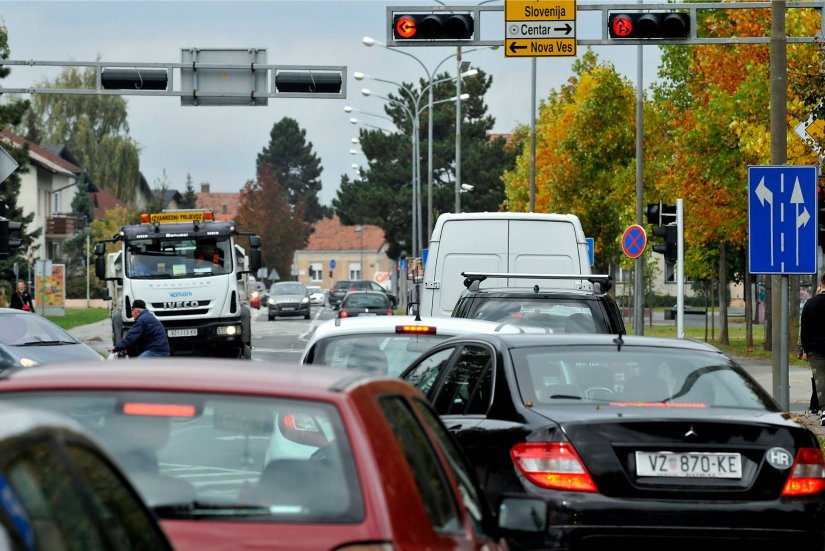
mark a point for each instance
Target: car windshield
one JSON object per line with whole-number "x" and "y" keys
{"x": 178, "y": 258}
{"x": 634, "y": 375}
{"x": 381, "y": 353}
{"x": 561, "y": 315}
{"x": 212, "y": 455}
{"x": 288, "y": 288}
{"x": 29, "y": 329}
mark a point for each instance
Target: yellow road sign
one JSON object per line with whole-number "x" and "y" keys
{"x": 816, "y": 130}
{"x": 539, "y": 28}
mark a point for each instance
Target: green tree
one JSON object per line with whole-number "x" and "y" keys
{"x": 265, "y": 210}
{"x": 295, "y": 166}
{"x": 11, "y": 113}
{"x": 190, "y": 197}
{"x": 93, "y": 127}
{"x": 382, "y": 195}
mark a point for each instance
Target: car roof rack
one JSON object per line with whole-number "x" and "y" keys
{"x": 602, "y": 282}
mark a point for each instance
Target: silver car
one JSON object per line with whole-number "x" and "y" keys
{"x": 288, "y": 298}
{"x": 317, "y": 296}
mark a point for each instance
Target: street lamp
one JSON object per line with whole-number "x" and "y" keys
{"x": 369, "y": 42}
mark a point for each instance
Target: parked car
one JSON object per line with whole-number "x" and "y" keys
{"x": 560, "y": 310}
{"x": 365, "y": 303}
{"x": 385, "y": 344}
{"x": 27, "y": 340}
{"x": 288, "y": 298}
{"x": 256, "y": 292}
{"x": 317, "y": 296}
{"x": 651, "y": 442}
{"x": 341, "y": 288}
{"x": 280, "y": 456}
{"x": 60, "y": 490}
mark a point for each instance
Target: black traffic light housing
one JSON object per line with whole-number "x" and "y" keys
{"x": 433, "y": 26}
{"x": 10, "y": 238}
{"x": 308, "y": 82}
{"x": 660, "y": 214}
{"x": 649, "y": 25}
{"x": 669, "y": 247}
{"x": 133, "y": 79}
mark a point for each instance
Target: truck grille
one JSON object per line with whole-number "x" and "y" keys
{"x": 181, "y": 308}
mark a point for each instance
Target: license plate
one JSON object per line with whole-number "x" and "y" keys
{"x": 689, "y": 465}
{"x": 368, "y": 313}
{"x": 287, "y": 308}
{"x": 181, "y": 332}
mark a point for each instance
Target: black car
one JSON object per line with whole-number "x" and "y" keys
{"x": 341, "y": 288}
{"x": 559, "y": 310}
{"x": 365, "y": 303}
{"x": 649, "y": 441}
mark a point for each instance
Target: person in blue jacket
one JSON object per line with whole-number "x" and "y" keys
{"x": 147, "y": 334}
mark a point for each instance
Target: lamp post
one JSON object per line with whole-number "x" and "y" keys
{"x": 369, "y": 42}
{"x": 360, "y": 229}
{"x": 88, "y": 231}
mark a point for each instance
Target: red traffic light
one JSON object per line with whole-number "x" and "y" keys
{"x": 621, "y": 26}
{"x": 405, "y": 27}
{"x": 649, "y": 25}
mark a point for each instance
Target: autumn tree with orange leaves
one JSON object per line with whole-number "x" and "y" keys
{"x": 265, "y": 210}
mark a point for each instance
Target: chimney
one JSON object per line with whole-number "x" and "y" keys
{"x": 205, "y": 187}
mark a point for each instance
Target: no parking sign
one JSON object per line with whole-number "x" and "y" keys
{"x": 634, "y": 240}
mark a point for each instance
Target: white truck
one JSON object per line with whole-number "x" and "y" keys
{"x": 192, "y": 274}
{"x": 500, "y": 242}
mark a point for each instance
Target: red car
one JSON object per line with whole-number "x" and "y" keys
{"x": 256, "y": 291}
{"x": 280, "y": 456}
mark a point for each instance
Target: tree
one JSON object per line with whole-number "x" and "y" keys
{"x": 11, "y": 113}
{"x": 295, "y": 166}
{"x": 585, "y": 156}
{"x": 265, "y": 210}
{"x": 190, "y": 197}
{"x": 382, "y": 195}
{"x": 94, "y": 128}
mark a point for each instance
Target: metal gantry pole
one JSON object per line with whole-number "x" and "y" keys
{"x": 639, "y": 288}
{"x": 458, "y": 131}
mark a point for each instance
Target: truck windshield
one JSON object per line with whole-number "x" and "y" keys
{"x": 178, "y": 258}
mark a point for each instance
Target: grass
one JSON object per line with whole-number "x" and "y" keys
{"x": 79, "y": 316}
{"x": 736, "y": 336}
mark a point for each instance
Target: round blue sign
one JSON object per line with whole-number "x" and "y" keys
{"x": 634, "y": 240}
{"x": 332, "y": 264}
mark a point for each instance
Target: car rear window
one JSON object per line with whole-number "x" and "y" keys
{"x": 646, "y": 376}
{"x": 213, "y": 455}
{"x": 364, "y": 300}
{"x": 361, "y": 351}
{"x": 559, "y": 315}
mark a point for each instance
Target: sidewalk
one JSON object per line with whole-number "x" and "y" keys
{"x": 98, "y": 335}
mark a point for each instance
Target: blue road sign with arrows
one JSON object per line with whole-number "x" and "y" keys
{"x": 782, "y": 219}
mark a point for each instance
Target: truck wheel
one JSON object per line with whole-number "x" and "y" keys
{"x": 247, "y": 351}
{"x": 270, "y": 317}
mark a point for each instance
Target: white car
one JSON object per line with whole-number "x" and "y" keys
{"x": 317, "y": 296}
{"x": 387, "y": 344}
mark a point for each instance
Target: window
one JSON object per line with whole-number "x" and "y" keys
{"x": 425, "y": 465}
{"x": 315, "y": 271}
{"x": 429, "y": 370}
{"x": 55, "y": 202}
{"x": 466, "y": 389}
{"x": 355, "y": 270}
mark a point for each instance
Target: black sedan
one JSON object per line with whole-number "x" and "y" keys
{"x": 651, "y": 442}
{"x": 364, "y": 303}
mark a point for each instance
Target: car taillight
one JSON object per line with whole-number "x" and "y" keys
{"x": 807, "y": 474}
{"x": 343, "y": 313}
{"x": 390, "y": 312}
{"x": 301, "y": 428}
{"x": 554, "y": 465}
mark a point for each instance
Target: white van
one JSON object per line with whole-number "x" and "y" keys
{"x": 516, "y": 242}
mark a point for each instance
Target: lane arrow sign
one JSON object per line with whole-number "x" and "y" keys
{"x": 567, "y": 28}
{"x": 801, "y": 219}
{"x": 514, "y": 48}
{"x": 764, "y": 194}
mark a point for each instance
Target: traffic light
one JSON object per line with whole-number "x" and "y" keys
{"x": 669, "y": 247}
{"x": 133, "y": 79}
{"x": 10, "y": 239}
{"x": 308, "y": 82}
{"x": 649, "y": 25}
{"x": 433, "y": 26}
{"x": 660, "y": 214}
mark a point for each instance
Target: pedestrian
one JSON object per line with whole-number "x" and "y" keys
{"x": 812, "y": 336}
{"x": 147, "y": 334}
{"x": 21, "y": 299}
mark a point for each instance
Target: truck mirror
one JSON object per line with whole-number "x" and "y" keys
{"x": 104, "y": 294}
{"x": 100, "y": 265}
{"x": 255, "y": 241}
{"x": 100, "y": 249}
{"x": 254, "y": 259}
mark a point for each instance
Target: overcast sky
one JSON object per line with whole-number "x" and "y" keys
{"x": 220, "y": 144}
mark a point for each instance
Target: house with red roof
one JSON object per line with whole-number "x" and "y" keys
{"x": 224, "y": 205}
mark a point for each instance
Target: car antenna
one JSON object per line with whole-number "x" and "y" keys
{"x": 618, "y": 342}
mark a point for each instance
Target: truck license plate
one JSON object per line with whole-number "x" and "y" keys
{"x": 689, "y": 465}
{"x": 181, "y": 332}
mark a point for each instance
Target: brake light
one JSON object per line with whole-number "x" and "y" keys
{"x": 343, "y": 313}
{"x": 159, "y": 410}
{"x": 554, "y": 465}
{"x": 807, "y": 474}
{"x": 301, "y": 428}
{"x": 390, "y": 312}
{"x": 426, "y": 329}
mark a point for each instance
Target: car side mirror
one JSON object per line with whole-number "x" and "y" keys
{"x": 522, "y": 514}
